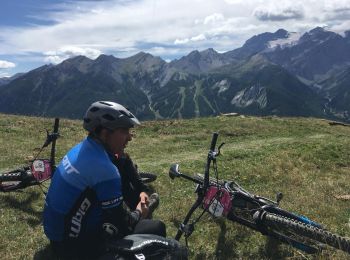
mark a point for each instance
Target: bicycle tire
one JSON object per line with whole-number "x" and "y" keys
{"x": 278, "y": 222}
{"x": 15, "y": 175}
{"x": 148, "y": 177}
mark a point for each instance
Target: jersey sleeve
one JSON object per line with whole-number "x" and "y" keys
{"x": 114, "y": 215}
{"x": 109, "y": 193}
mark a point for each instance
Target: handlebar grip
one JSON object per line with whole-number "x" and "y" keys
{"x": 213, "y": 141}
{"x": 53, "y": 146}
{"x": 55, "y": 128}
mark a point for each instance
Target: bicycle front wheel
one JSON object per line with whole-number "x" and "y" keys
{"x": 307, "y": 234}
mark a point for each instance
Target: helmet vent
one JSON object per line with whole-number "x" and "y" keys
{"x": 105, "y": 103}
{"x": 108, "y": 117}
{"x": 126, "y": 114}
{"x": 94, "y": 109}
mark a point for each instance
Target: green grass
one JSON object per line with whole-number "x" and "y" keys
{"x": 306, "y": 159}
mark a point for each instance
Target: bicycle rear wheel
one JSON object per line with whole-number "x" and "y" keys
{"x": 306, "y": 234}
{"x": 15, "y": 175}
{"x": 10, "y": 180}
{"x": 16, "y": 179}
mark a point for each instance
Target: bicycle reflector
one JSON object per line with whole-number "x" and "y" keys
{"x": 41, "y": 170}
{"x": 217, "y": 201}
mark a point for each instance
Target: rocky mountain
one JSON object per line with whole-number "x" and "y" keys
{"x": 256, "y": 44}
{"x": 201, "y": 62}
{"x": 336, "y": 89}
{"x": 6, "y": 80}
{"x": 65, "y": 89}
{"x": 314, "y": 56}
{"x": 277, "y": 73}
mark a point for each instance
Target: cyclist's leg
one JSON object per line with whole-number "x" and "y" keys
{"x": 150, "y": 226}
{"x": 87, "y": 249}
{"x": 131, "y": 196}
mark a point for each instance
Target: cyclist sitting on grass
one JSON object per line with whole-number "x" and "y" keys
{"x": 85, "y": 201}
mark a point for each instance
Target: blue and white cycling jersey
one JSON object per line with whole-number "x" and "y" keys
{"x": 85, "y": 183}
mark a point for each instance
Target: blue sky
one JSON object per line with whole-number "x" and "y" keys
{"x": 23, "y": 12}
{"x": 38, "y": 32}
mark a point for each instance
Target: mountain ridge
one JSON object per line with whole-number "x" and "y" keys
{"x": 272, "y": 73}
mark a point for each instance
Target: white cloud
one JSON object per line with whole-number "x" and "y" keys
{"x": 181, "y": 41}
{"x": 161, "y": 51}
{"x": 278, "y": 12}
{"x": 336, "y": 11}
{"x": 336, "y": 5}
{"x": 165, "y": 27}
{"x": 6, "y": 64}
{"x": 234, "y": 1}
{"x": 214, "y": 18}
{"x": 68, "y": 52}
{"x": 4, "y": 74}
{"x": 54, "y": 59}
{"x": 200, "y": 37}
{"x": 116, "y": 26}
{"x": 342, "y": 27}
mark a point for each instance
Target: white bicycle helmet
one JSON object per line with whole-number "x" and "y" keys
{"x": 108, "y": 115}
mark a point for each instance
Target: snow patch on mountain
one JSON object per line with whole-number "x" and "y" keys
{"x": 222, "y": 85}
{"x": 254, "y": 95}
{"x": 291, "y": 40}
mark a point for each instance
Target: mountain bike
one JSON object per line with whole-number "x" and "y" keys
{"x": 228, "y": 199}
{"x": 41, "y": 170}
{"x": 37, "y": 172}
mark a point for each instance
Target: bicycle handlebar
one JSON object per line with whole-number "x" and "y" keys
{"x": 174, "y": 173}
{"x": 211, "y": 157}
{"x": 213, "y": 141}
{"x": 54, "y": 137}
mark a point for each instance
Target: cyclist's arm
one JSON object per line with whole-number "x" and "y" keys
{"x": 114, "y": 214}
{"x": 119, "y": 217}
{"x": 127, "y": 165}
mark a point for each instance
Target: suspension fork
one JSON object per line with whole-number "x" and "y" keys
{"x": 184, "y": 226}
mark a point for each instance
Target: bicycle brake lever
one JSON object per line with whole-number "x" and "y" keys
{"x": 219, "y": 148}
{"x": 50, "y": 137}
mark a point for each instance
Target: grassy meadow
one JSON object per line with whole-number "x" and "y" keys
{"x": 306, "y": 159}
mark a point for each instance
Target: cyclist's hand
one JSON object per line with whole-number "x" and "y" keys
{"x": 144, "y": 198}
{"x": 143, "y": 208}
